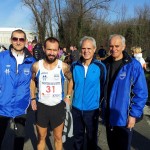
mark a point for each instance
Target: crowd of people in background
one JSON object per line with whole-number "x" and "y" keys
{"x": 35, "y": 74}
{"x": 73, "y": 53}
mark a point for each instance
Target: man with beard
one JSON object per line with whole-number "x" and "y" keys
{"x": 15, "y": 77}
{"x": 50, "y": 75}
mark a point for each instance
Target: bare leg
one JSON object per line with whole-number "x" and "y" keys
{"x": 58, "y": 137}
{"x": 42, "y": 132}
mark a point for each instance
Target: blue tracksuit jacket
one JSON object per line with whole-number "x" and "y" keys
{"x": 129, "y": 91}
{"x": 88, "y": 90}
{"x": 14, "y": 87}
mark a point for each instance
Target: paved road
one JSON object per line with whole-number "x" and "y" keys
{"x": 141, "y": 136}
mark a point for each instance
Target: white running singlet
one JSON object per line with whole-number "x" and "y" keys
{"x": 50, "y": 84}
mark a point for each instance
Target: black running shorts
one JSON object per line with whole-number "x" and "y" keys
{"x": 50, "y": 115}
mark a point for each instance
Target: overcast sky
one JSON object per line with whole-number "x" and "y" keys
{"x": 14, "y": 14}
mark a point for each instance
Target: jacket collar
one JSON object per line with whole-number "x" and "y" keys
{"x": 126, "y": 58}
{"x": 26, "y": 52}
{"x": 27, "y": 56}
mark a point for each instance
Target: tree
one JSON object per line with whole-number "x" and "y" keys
{"x": 42, "y": 16}
{"x": 143, "y": 21}
{"x": 59, "y": 20}
{"x": 80, "y": 15}
{"x": 70, "y": 20}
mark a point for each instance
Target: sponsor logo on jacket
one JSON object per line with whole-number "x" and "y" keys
{"x": 122, "y": 75}
{"x": 26, "y": 71}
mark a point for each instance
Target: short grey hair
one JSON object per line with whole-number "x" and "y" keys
{"x": 118, "y": 35}
{"x": 88, "y": 38}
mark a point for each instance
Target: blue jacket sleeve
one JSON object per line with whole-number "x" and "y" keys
{"x": 139, "y": 90}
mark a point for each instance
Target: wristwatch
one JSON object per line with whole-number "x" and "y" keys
{"x": 68, "y": 96}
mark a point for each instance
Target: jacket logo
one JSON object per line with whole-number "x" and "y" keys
{"x": 26, "y": 71}
{"x": 7, "y": 71}
{"x": 122, "y": 75}
{"x": 8, "y": 66}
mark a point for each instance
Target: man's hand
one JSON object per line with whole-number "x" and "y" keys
{"x": 67, "y": 100}
{"x": 131, "y": 122}
{"x": 33, "y": 105}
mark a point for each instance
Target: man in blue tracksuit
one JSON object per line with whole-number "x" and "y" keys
{"x": 88, "y": 77}
{"x": 15, "y": 76}
{"x": 125, "y": 94}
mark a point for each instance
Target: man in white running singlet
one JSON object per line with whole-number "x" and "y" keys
{"x": 49, "y": 76}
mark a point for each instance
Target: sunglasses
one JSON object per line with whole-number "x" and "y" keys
{"x": 15, "y": 39}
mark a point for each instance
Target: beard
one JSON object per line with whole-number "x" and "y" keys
{"x": 50, "y": 60}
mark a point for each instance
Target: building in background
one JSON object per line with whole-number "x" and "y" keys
{"x": 5, "y": 34}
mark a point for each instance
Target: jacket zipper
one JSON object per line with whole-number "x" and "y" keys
{"x": 84, "y": 84}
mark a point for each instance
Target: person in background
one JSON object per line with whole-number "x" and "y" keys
{"x": 67, "y": 58}
{"x": 15, "y": 77}
{"x": 50, "y": 74}
{"x": 65, "y": 51}
{"x": 137, "y": 53}
{"x": 34, "y": 42}
{"x": 64, "y": 54}
{"x": 125, "y": 94}
{"x": 2, "y": 48}
{"x": 38, "y": 52}
{"x": 30, "y": 47}
{"x": 88, "y": 78}
{"x": 102, "y": 53}
{"x": 74, "y": 55}
{"x": 60, "y": 53}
